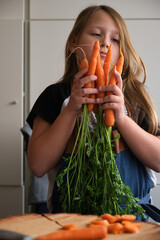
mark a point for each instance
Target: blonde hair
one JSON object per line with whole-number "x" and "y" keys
{"x": 137, "y": 100}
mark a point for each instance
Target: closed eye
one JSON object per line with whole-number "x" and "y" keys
{"x": 96, "y": 34}
{"x": 115, "y": 40}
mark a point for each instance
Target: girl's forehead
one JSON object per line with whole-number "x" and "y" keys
{"x": 101, "y": 19}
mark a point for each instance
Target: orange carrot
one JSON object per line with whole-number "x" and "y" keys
{"x": 100, "y": 222}
{"x": 109, "y": 113}
{"x": 84, "y": 63}
{"x": 128, "y": 217}
{"x": 118, "y": 217}
{"x": 87, "y": 233}
{"x": 95, "y": 108}
{"x": 93, "y": 59}
{"x": 107, "y": 63}
{"x": 131, "y": 227}
{"x": 69, "y": 226}
{"x": 109, "y": 218}
{"x": 90, "y": 106}
{"x": 119, "y": 65}
{"x": 100, "y": 76}
{"x": 115, "y": 228}
{"x": 91, "y": 71}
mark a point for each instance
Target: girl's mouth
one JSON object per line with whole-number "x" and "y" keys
{"x": 103, "y": 54}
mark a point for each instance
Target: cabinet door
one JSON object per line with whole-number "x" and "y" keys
{"x": 11, "y": 119}
{"x": 11, "y": 94}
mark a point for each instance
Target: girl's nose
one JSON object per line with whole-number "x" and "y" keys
{"x": 105, "y": 42}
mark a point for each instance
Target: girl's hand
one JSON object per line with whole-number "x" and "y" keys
{"x": 78, "y": 92}
{"x": 114, "y": 101}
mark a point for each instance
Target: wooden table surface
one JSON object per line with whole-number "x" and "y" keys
{"x": 35, "y": 225}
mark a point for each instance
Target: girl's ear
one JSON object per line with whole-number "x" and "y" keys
{"x": 72, "y": 43}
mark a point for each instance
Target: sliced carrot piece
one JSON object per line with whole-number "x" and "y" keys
{"x": 128, "y": 217}
{"x": 68, "y": 226}
{"x": 100, "y": 222}
{"x": 109, "y": 218}
{"x": 131, "y": 227}
{"x": 116, "y": 228}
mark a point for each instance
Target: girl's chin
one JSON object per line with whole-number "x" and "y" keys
{"x": 102, "y": 61}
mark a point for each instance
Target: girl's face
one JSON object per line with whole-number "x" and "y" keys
{"x": 100, "y": 27}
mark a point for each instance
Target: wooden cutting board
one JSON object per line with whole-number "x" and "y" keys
{"x": 35, "y": 225}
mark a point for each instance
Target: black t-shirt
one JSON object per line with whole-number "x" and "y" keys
{"x": 49, "y": 103}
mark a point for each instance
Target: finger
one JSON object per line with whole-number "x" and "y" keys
{"x": 113, "y": 105}
{"x": 81, "y": 82}
{"x": 111, "y": 88}
{"x": 115, "y": 90}
{"x": 80, "y": 74}
{"x": 118, "y": 98}
{"x": 88, "y": 100}
{"x": 86, "y": 91}
{"x": 118, "y": 82}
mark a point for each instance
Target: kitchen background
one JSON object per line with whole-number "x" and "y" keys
{"x": 32, "y": 39}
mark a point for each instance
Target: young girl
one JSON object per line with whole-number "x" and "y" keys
{"x": 53, "y": 117}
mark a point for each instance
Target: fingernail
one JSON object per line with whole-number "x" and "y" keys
{"x": 93, "y": 77}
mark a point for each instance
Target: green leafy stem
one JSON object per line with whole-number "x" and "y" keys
{"x": 93, "y": 182}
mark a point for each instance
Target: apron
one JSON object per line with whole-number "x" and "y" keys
{"x": 133, "y": 174}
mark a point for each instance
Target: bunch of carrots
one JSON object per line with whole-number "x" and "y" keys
{"x": 93, "y": 183}
{"x": 102, "y": 72}
{"x": 97, "y": 229}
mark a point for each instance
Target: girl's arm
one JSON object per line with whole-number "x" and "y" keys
{"x": 145, "y": 146}
{"x": 48, "y": 142}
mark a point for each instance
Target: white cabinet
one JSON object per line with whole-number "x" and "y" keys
{"x": 11, "y": 107}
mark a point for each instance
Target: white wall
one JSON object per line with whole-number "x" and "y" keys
{"x": 47, "y": 21}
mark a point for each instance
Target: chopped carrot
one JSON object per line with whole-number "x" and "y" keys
{"x": 131, "y": 227}
{"x": 69, "y": 226}
{"x": 100, "y": 222}
{"x": 87, "y": 233}
{"x": 128, "y": 217}
{"x": 115, "y": 228}
{"x": 118, "y": 217}
{"x": 109, "y": 218}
